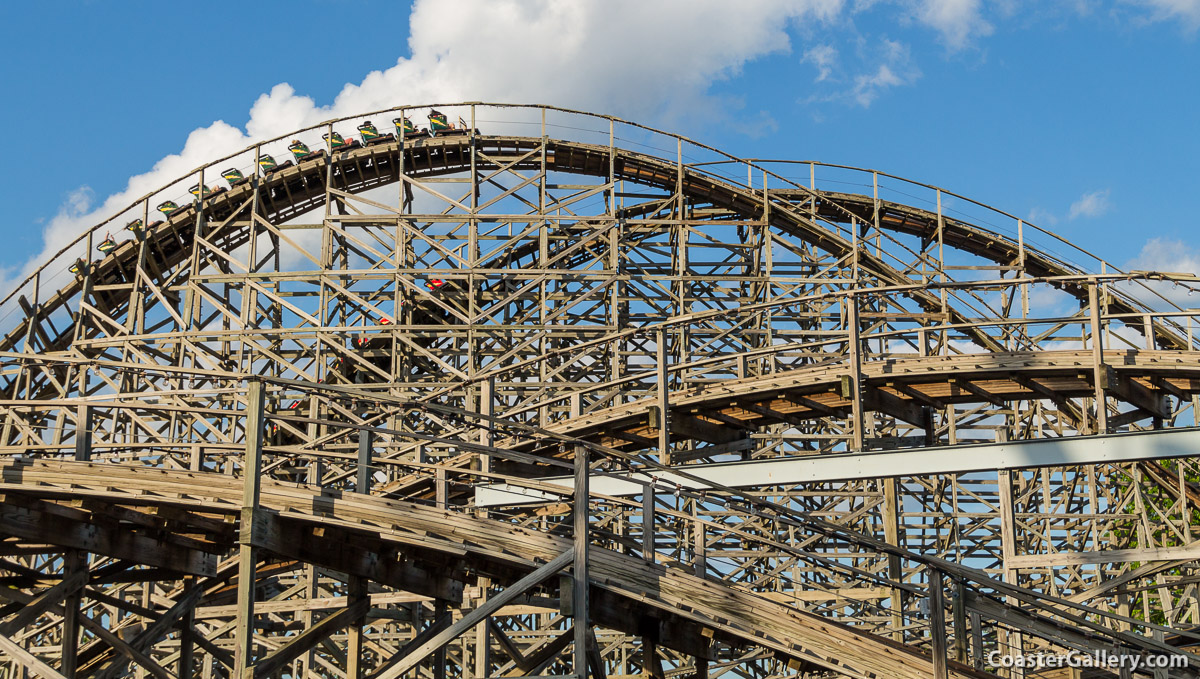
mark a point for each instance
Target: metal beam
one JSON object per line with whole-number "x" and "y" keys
{"x": 1105, "y": 449}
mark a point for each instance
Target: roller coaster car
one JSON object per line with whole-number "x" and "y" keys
{"x": 337, "y": 143}
{"x": 168, "y": 208}
{"x": 208, "y": 192}
{"x": 78, "y": 267}
{"x": 138, "y": 228}
{"x": 405, "y": 127}
{"x": 268, "y": 165}
{"x": 371, "y": 135}
{"x": 439, "y": 126}
{"x": 302, "y": 152}
{"x": 107, "y": 245}
{"x": 235, "y": 177}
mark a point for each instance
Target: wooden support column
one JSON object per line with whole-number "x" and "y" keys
{"x": 357, "y": 586}
{"x": 439, "y": 656}
{"x": 648, "y": 522}
{"x": 891, "y": 533}
{"x": 354, "y": 632}
{"x": 441, "y": 487}
{"x": 579, "y": 572}
{"x": 664, "y": 425}
{"x": 73, "y": 562}
{"x": 187, "y": 644}
{"x": 1099, "y": 370}
{"x": 959, "y": 607}
{"x": 362, "y": 483}
{"x": 937, "y": 625}
{"x": 247, "y": 553}
{"x": 83, "y": 433}
{"x": 1008, "y": 550}
{"x": 852, "y": 339}
{"x": 976, "y": 640}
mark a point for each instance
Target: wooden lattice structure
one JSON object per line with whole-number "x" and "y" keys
{"x": 255, "y": 437}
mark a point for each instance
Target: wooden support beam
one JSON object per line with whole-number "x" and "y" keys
{"x": 539, "y": 658}
{"x": 1138, "y": 395}
{"x": 310, "y": 637}
{"x": 937, "y": 625}
{"x": 157, "y": 629}
{"x": 99, "y": 630}
{"x": 31, "y": 611}
{"x": 917, "y": 395}
{"x": 766, "y": 411}
{"x": 476, "y": 616}
{"x": 27, "y": 660}
{"x": 442, "y": 619}
{"x": 371, "y": 560}
{"x": 817, "y": 406}
{"x": 696, "y": 428}
{"x": 40, "y": 522}
{"x": 908, "y": 411}
{"x": 579, "y": 561}
{"x": 975, "y": 390}
{"x": 247, "y": 556}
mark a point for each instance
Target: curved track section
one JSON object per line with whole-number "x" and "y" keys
{"x": 248, "y": 439}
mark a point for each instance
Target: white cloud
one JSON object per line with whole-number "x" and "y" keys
{"x": 1041, "y": 217}
{"x": 1167, "y": 256}
{"x": 644, "y": 60}
{"x": 1094, "y": 204}
{"x": 897, "y": 69}
{"x": 958, "y": 21}
{"x": 1187, "y": 12}
{"x": 823, "y": 57}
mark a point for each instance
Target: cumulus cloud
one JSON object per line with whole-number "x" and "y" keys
{"x": 958, "y": 21}
{"x": 1094, "y": 204}
{"x": 644, "y": 60}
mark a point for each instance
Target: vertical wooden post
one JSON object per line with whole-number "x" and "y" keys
{"x": 976, "y": 641}
{"x": 1099, "y": 370}
{"x": 664, "y": 430}
{"x": 251, "y": 484}
{"x": 440, "y": 486}
{"x": 579, "y": 568}
{"x": 959, "y": 607}
{"x": 485, "y": 407}
{"x": 937, "y": 625}
{"x": 354, "y": 633}
{"x": 648, "y": 522}
{"x": 73, "y": 561}
{"x": 439, "y": 656}
{"x": 83, "y": 433}
{"x": 891, "y": 533}
{"x": 187, "y": 645}
{"x": 1008, "y": 550}
{"x": 362, "y": 483}
{"x": 852, "y": 339}
{"x": 357, "y": 586}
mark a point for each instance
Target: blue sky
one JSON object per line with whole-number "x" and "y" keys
{"x": 1081, "y": 115}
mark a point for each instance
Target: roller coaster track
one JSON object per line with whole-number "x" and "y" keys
{"x": 248, "y": 440}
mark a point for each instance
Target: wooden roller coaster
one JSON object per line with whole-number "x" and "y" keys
{"x": 547, "y": 393}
